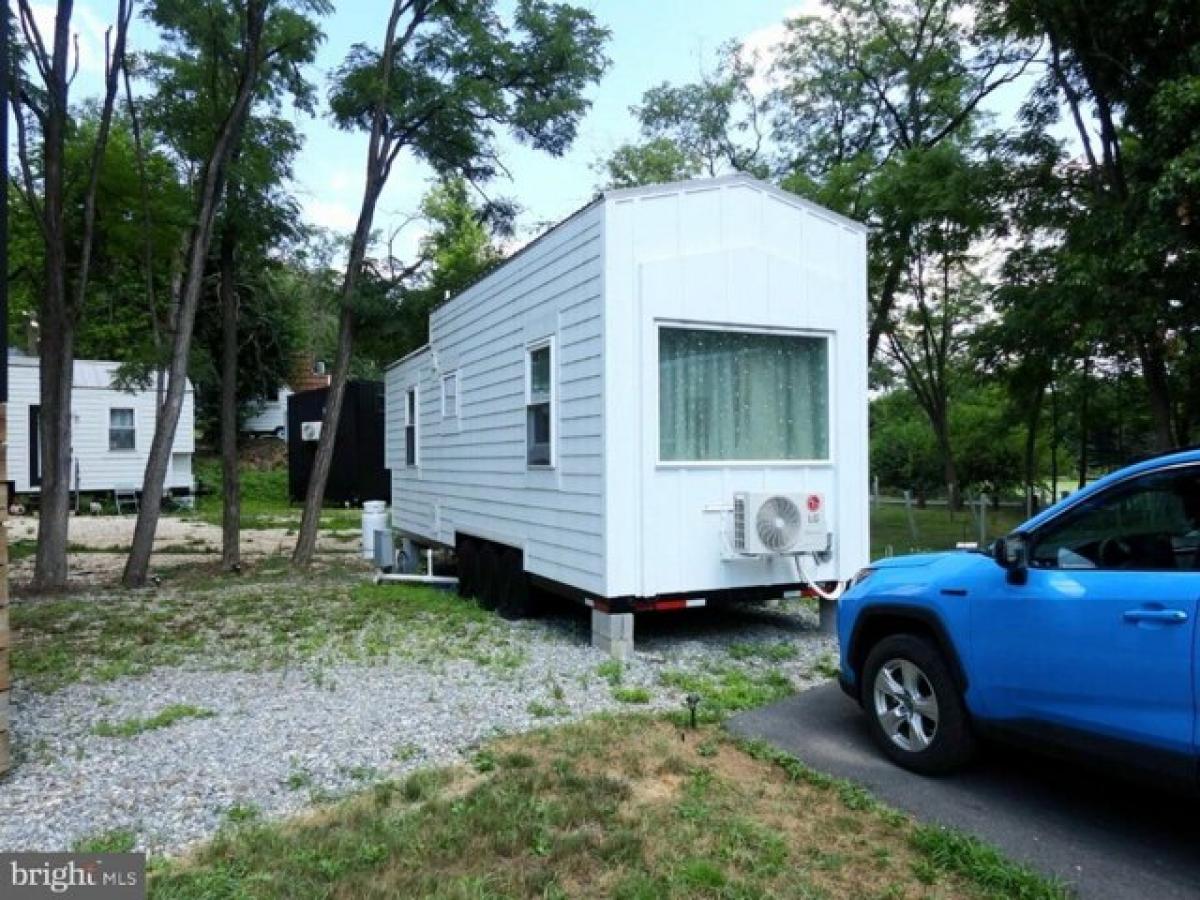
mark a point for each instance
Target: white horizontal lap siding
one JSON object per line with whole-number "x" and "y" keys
{"x": 22, "y": 394}
{"x": 473, "y": 478}
{"x": 731, "y": 254}
{"x": 100, "y": 468}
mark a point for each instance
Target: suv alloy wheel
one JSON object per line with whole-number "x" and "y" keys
{"x": 914, "y": 708}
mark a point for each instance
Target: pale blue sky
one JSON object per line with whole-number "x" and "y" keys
{"x": 652, "y": 41}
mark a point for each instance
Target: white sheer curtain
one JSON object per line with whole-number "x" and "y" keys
{"x": 730, "y": 395}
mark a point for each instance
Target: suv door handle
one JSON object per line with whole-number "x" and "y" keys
{"x": 1165, "y": 616}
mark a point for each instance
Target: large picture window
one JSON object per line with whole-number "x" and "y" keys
{"x": 539, "y": 404}
{"x": 742, "y": 396}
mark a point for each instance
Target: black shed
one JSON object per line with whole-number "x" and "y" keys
{"x": 357, "y": 472}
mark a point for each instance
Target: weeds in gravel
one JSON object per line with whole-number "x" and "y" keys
{"x": 583, "y": 811}
{"x": 267, "y": 619}
{"x": 826, "y": 666}
{"x": 728, "y": 689}
{"x": 612, "y": 671}
{"x": 775, "y": 651}
{"x": 631, "y": 695}
{"x": 540, "y": 710}
{"x": 165, "y": 718}
{"x": 119, "y": 840}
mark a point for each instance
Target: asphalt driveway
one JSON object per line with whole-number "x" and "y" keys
{"x": 1104, "y": 837}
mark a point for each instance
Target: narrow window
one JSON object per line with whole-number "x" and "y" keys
{"x": 450, "y": 396}
{"x": 410, "y": 427}
{"x": 539, "y": 403}
{"x": 122, "y": 432}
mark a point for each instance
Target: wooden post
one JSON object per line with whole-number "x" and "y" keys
{"x": 5, "y": 639}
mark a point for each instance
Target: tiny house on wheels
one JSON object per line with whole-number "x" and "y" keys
{"x": 658, "y": 404}
{"x": 111, "y": 431}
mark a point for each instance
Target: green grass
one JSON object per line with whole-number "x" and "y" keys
{"x": 936, "y": 528}
{"x": 631, "y": 695}
{"x": 265, "y": 502}
{"x": 724, "y": 690}
{"x": 612, "y": 671}
{"x": 120, "y": 840}
{"x": 19, "y": 550}
{"x": 617, "y": 806}
{"x": 165, "y": 718}
{"x": 267, "y": 618}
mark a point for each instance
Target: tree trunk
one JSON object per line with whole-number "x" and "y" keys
{"x": 949, "y": 469}
{"x": 1158, "y": 390}
{"x": 380, "y": 157}
{"x": 213, "y": 185}
{"x": 57, "y": 344}
{"x": 62, "y": 304}
{"x": 56, "y": 370}
{"x": 1031, "y": 429}
{"x": 1083, "y": 422}
{"x": 231, "y": 511}
{"x": 881, "y": 309}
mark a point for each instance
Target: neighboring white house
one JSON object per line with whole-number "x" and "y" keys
{"x": 612, "y": 409}
{"x": 268, "y": 415}
{"x": 111, "y": 430}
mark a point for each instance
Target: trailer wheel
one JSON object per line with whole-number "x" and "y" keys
{"x": 514, "y": 587}
{"x": 467, "y": 553}
{"x": 488, "y": 575}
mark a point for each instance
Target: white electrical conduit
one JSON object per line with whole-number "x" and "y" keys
{"x": 816, "y": 588}
{"x": 446, "y": 580}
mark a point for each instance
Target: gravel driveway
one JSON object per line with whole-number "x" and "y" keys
{"x": 276, "y": 741}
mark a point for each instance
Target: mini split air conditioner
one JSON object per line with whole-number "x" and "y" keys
{"x": 777, "y": 524}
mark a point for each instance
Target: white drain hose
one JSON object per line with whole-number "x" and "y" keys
{"x": 816, "y": 588}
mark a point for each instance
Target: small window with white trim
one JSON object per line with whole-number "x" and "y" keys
{"x": 539, "y": 404}
{"x": 411, "y": 457}
{"x": 450, "y": 395}
{"x": 122, "y": 430}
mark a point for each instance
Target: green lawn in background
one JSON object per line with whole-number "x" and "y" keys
{"x": 936, "y": 528}
{"x": 265, "y": 501}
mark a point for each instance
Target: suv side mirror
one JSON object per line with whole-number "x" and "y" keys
{"x": 1010, "y": 554}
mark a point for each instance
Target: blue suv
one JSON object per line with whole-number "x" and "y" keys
{"x": 1076, "y": 632}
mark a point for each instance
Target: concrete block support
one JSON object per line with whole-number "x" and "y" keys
{"x": 827, "y": 616}
{"x": 613, "y": 633}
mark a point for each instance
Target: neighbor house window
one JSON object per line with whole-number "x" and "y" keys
{"x": 450, "y": 396}
{"x": 122, "y": 432}
{"x": 410, "y": 427}
{"x": 539, "y": 404}
{"x": 742, "y": 396}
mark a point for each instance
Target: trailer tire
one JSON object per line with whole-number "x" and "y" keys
{"x": 514, "y": 601}
{"x": 488, "y": 575}
{"x": 467, "y": 553}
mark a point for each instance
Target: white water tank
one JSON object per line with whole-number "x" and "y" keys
{"x": 374, "y": 518}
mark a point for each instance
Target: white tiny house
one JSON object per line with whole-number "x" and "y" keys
{"x": 111, "y": 430}
{"x": 661, "y": 402}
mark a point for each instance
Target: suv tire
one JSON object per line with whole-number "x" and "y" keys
{"x": 914, "y": 709}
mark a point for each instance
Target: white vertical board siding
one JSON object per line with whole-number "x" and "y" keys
{"x": 727, "y": 253}
{"x": 100, "y": 469}
{"x": 472, "y": 476}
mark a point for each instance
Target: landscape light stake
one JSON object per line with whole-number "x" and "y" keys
{"x": 693, "y": 701}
